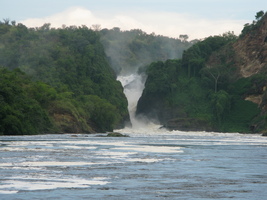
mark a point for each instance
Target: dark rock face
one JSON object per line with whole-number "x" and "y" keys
{"x": 154, "y": 108}
{"x": 188, "y": 124}
{"x": 151, "y": 106}
{"x": 114, "y": 134}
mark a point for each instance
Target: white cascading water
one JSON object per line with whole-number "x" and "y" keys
{"x": 133, "y": 85}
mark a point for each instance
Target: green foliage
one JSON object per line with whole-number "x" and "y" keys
{"x": 20, "y": 112}
{"x": 250, "y": 85}
{"x": 43, "y": 93}
{"x": 187, "y": 89}
{"x": 104, "y": 114}
{"x": 216, "y": 78}
{"x": 241, "y": 86}
{"x": 158, "y": 79}
{"x": 191, "y": 97}
{"x": 195, "y": 57}
{"x": 64, "y": 64}
{"x": 70, "y": 87}
{"x": 250, "y": 28}
{"x": 241, "y": 116}
{"x": 168, "y": 88}
{"x": 221, "y": 104}
{"x": 259, "y": 15}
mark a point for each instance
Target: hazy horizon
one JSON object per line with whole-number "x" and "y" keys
{"x": 197, "y": 19}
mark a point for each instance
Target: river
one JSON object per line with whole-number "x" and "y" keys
{"x": 150, "y": 164}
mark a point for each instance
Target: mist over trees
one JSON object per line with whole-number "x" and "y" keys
{"x": 70, "y": 75}
{"x": 69, "y": 78}
{"x": 130, "y": 50}
{"x": 58, "y": 80}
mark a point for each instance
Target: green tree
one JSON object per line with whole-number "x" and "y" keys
{"x": 65, "y": 64}
{"x": 214, "y": 74}
{"x": 259, "y": 15}
{"x": 20, "y": 113}
{"x": 221, "y": 103}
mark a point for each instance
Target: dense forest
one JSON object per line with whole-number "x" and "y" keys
{"x": 207, "y": 90}
{"x": 64, "y": 80}
{"x": 66, "y": 76}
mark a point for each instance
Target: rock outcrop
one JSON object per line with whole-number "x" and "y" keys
{"x": 251, "y": 50}
{"x": 115, "y": 134}
{"x": 188, "y": 124}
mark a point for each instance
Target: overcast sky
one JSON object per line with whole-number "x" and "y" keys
{"x": 196, "y": 18}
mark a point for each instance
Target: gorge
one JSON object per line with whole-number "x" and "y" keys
{"x": 59, "y": 85}
{"x": 66, "y": 77}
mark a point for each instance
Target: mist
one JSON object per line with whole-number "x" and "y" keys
{"x": 130, "y": 53}
{"x": 133, "y": 85}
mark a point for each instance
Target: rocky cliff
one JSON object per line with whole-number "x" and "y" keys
{"x": 249, "y": 58}
{"x": 251, "y": 50}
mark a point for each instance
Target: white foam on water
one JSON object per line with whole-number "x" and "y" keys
{"x": 33, "y": 165}
{"x": 6, "y": 164}
{"x": 152, "y": 149}
{"x": 57, "y": 146}
{"x": 115, "y": 154}
{"x": 34, "y": 149}
{"x": 145, "y": 130}
{"x": 8, "y": 191}
{"x": 77, "y": 147}
{"x": 55, "y": 163}
{"x": 144, "y": 160}
{"x": 45, "y": 183}
{"x": 29, "y": 143}
{"x": 224, "y": 138}
{"x": 53, "y": 143}
{"x": 14, "y": 149}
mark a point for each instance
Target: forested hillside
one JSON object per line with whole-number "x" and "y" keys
{"x": 64, "y": 80}
{"x": 69, "y": 76}
{"x": 218, "y": 85}
{"x": 68, "y": 86}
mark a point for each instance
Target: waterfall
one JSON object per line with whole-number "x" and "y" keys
{"x": 133, "y": 85}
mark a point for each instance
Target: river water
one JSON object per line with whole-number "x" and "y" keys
{"x": 150, "y": 164}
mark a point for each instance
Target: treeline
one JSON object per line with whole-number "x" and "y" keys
{"x": 198, "y": 93}
{"x": 64, "y": 80}
{"x": 250, "y": 28}
{"x": 69, "y": 86}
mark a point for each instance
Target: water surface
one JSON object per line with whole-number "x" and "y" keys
{"x": 150, "y": 164}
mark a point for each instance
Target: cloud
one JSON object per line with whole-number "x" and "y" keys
{"x": 161, "y": 23}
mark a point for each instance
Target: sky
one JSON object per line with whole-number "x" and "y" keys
{"x": 196, "y": 18}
